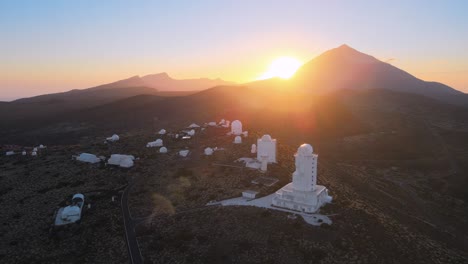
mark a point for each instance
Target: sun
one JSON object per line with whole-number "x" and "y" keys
{"x": 282, "y": 67}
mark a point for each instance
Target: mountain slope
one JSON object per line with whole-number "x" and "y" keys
{"x": 148, "y": 84}
{"x": 347, "y": 68}
{"x": 156, "y": 84}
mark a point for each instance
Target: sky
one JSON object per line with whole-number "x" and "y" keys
{"x": 52, "y": 46}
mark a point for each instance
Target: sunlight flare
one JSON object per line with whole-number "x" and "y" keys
{"x": 283, "y": 67}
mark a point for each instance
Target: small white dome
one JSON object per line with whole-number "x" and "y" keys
{"x": 79, "y": 196}
{"x": 237, "y": 140}
{"x": 266, "y": 137}
{"x": 114, "y": 137}
{"x": 184, "y": 153}
{"x": 236, "y": 127}
{"x": 236, "y": 123}
{"x": 305, "y": 150}
{"x": 208, "y": 151}
{"x": 163, "y": 150}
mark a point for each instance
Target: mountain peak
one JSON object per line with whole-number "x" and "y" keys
{"x": 345, "y": 49}
{"x": 344, "y": 46}
{"x": 161, "y": 75}
{"x": 132, "y": 78}
{"x": 345, "y": 54}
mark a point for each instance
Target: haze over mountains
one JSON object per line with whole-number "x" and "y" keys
{"x": 51, "y": 104}
{"x": 342, "y": 68}
{"x": 130, "y": 87}
{"x": 339, "y": 68}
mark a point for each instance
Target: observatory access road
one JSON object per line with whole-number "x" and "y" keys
{"x": 132, "y": 242}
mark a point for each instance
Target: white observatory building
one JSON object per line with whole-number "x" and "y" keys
{"x": 266, "y": 146}
{"x": 236, "y": 127}
{"x": 71, "y": 213}
{"x": 303, "y": 194}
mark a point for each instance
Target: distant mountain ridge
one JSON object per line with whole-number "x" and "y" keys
{"x": 51, "y": 104}
{"x": 164, "y": 82}
{"x": 136, "y": 85}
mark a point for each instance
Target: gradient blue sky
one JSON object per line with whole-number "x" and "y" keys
{"x": 51, "y": 46}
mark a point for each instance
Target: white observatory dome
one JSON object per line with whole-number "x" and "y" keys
{"x": 305, "y": 150}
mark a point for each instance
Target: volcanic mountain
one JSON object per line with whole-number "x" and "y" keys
{"x": 347, "y": 68}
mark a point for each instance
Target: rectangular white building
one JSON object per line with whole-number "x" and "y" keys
{"x": 266, "y": 146}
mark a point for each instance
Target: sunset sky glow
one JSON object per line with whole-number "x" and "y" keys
{"x": 53, "y": 46}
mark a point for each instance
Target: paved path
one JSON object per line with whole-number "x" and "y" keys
{"x": 132, "y": 242}
{"x": 265, "y": 202}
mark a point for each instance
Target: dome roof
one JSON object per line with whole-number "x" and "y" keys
{"x": 236, "y": 123}
{"x": 208, "y": 151}
{"x": 237, "y": 140}
{"x": 163, "y": 150}
{"x": 305, "y": 150}
{"x": 266, "y": 137}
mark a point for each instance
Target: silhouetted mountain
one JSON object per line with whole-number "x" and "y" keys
{"x": 53, "y": 104}
{"x": 164, "y": 82}
{"x": 347, "y": 68}
{"x": 148, "y": 84}
{"x": 95, "y": 95}
{"x": 156, "y": 84}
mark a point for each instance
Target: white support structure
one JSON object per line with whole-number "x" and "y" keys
{"x": 253, "y": 150}
{"x": 249, "y": 194}
{"x": 264, "y": 163}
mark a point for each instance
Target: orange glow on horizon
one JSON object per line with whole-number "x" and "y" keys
{"x": 282, "y": 67}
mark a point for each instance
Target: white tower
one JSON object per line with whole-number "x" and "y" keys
{"x": 303, "y": 194}
{"x": 305, "y": 175}
{"x": 267, "y": 145}
{"x": 236, "y": 127}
